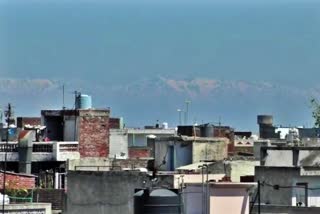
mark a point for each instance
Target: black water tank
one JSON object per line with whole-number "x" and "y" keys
{"x": 189, "y": 131}
{"x": 265, "y": 120}
{"x": 159, "y": 201}
{"x": 207, "y": 130}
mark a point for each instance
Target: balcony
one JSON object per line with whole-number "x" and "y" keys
{"x": 66, "y": 150}
{"x": 42, "y": 151}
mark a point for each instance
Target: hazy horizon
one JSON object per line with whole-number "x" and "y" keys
{"x": 233, "y": 60}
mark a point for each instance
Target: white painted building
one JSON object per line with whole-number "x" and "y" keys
{"x": 122, "y": 139}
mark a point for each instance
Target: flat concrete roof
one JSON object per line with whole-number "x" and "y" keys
{"x": 77, "y": 112}
{"x": 195, "y": 166}
{"x": 227, "y": 184}
{"x": 192, "y": 139}
{"x": 151, "y": 131}
{"x": 290, "y": 148}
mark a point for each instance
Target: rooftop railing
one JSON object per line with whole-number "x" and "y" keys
{"x": 42, "y": 147}
{"x": 8, "y": 147}
{"x": 45, "y": 147}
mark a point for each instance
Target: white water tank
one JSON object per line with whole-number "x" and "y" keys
{"x": 165, "y": 125}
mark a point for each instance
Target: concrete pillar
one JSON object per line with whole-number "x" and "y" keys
{"x": 295, "y": 156}
{"x": 263, "y": 155}
{"x": 25, "y": 151}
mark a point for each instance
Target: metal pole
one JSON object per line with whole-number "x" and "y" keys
{"x": 259, "y": 202}
{"x": 182, "y": 196}
{"x": 5, "y": 169}
{"x": 203, "y": 199}
{"x": 179, "y": 111}
{"x": 63, "y": 106}
{"x": 5, "y": 158}
{"x": 207, "y": 188}
{"x": 187, "y": 111}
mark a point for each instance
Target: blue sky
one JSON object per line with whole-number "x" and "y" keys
{"x": 101, "y": 48}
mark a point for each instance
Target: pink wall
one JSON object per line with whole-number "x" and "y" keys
{"x": 229, "y": 201}
{"x": 225, "y": 198}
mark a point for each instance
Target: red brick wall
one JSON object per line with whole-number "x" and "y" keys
{"x": 34, "y": 121}
{"x": 114, "y": 123}
{"x": 16, "y": 181}
{"x": 224, "y": 131}
{"x": 139, "y": 152}
{"x": 230, "y": 149}
{"x": 94, "y": 133}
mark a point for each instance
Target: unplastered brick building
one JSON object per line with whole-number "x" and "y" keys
{"x": 18, "y": 180}
{"x": 90, "y": 127}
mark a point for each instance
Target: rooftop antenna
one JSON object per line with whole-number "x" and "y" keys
{"x": 1, "y": 116}
{"x": 186, "y": 112}
{"x": 63, "y": 105}
{"x": 76, "y": 94}
{"x": 194, "y": 120}
{"x": 179, "y": 112}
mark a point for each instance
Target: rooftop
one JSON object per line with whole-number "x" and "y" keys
{"x": 192, "y": 139}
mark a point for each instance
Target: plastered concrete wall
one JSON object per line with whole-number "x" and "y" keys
{"x": 182, "y": 154}
{"x": 220, "y": 167}
{"x": 138, "y": 137}
{"x": 192, "y": 197}
{"x": 282, "y": 176}
{"x": 104, "y": 164}
{"x": 222, "y": 198}
{"x": 257, "y": 146}
{"x": 103, "y": 192}
{"x": 28, "y": 208}
{"x": 279, "y": 158}
{"x": 309, "y": 158}
{"x": 11, "y": 156}
{"x": 194, "y": 179}
{"x": 267, "y": 209}
{"x": 118, "y": 143}
{"x": 288, "y": 176}
{"x": 209, "y": 151}
{"x": 234, "y": 169}
{"x": 242, "y": 168}
{"x": 313, "y": 192}
{"x": 161, "y": 151}
{"x": 310, "y": 141}
{"x": 285, "y": 158}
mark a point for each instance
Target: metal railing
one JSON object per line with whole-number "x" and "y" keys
{"x": 68, "y": 147}
{"x": 42, "y": 148}
{"x": 8, "y": 147}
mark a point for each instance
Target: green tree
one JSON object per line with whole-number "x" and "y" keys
{"x": 315, "y": 112}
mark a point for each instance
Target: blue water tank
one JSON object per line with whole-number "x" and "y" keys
{"x": 83, "y": 101}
